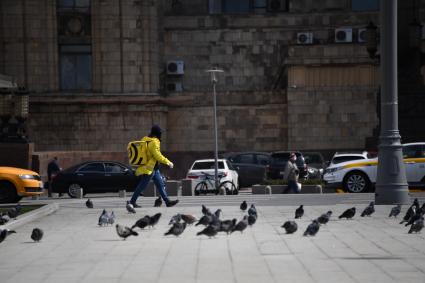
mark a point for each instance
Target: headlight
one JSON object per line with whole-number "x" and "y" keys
{"x": 311, "y": 170}
{"x": 27, "y": 177}
{"x": 332, "y": 170}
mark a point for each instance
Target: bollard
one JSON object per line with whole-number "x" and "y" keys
{"x": 79, "y": 193}
{"x": 122, "y": 193}
{"x": 268, "y": 190}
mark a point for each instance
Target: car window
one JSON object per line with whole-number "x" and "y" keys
{"x": 203, "y": 165}
{"x": 280, "y": 158}
{"x": 114, "y": 168}
{"x": 92, "y": 167}
{"x": 312, "y": 158}
{"x": 263, "y": 159}
{"x": 244, "y": 158}
{"x": 413, "y": 151}
{"x": 340, "y": 159}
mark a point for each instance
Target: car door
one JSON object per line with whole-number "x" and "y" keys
{"x": 234, "y": 173}
{"x": 91, "y": 176}
{"x": 245, "y": 166}
{"x": 411, "y": 153}
{"x": 119, "y": 177}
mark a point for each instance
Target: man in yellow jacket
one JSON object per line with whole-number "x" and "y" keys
{"x": 150, "y": 168}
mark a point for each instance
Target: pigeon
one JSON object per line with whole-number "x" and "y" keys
{"x": 130, "y": 208}
{"x": 4, "y": 218}
{"x": 103, "y": 219}
{"x": 205, "y": 220}
{"x": 5, "y": 233}
{"x": 37, "y": 234}
{"x": 324, "y": 218}
{"x": 251, "y": 219}
{"x": 290, "y": 227}
{"x": 111, "y": 218}
{"x": 299, "y": 212}
{"x": 241, "y": 225}
{"x": 422, "y": 209}
{"x": 227, "y": 225}
{"x": 369, "y": 210}
{"x": 12, "y": 213}
{"x": 217, "y": 213}
{"x": 158, "y": 202}
{"x": 416, "y": 204}
{"x": 142, "y": 223}
{"x": 209, "y": 231}
{"x": 312, "y": 229}
{"x": 409, "y": 214}
{"x": 348, "y": 214}
{"x": 417, "y": 216}
{"x": 18, "y": 208}
{"x": 177, "y": 229}
{"x": 417, "y": 226}
{"x": 395, "y": 211}
{"x": 89, "y": 203}
{"x": 205, "y": 210}
{"x": 244, "y": 205}
{"x": 175, "y": 219}
{"x": 189, "y": 219}
{"x": 252, "y": 210}
{"x": 124, "y": 232}
{"x": 154, "y": 219}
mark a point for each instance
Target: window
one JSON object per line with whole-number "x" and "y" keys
{"x": 364, "y": 5}
{"x": 73, "y": 4}
{"x": 341, "y": 159}
{"x": 413, "y": 151}
{"x": 113, "y": 168}
{"x": 75, "y": 67}
{"x": 207, "y": 165}
{"x": 93, "y": 167}
{"x": 236, "y": 7}
{"x": 263, "y": 159}
{"x": 247, "y": 6}
{"x": 244, "y": 158}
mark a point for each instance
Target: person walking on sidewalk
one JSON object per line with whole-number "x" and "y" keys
{"x": 53, "y": 169}
{"x": 150, "y": 168}
{"x": 291, "y": 175}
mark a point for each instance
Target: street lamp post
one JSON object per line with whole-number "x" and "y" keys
{"x": 391, "y": 183}
{"x": 214, "y": 81}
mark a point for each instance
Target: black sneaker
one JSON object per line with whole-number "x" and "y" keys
{"x": 172, "y": 203}
{"x": 135, "y": 205}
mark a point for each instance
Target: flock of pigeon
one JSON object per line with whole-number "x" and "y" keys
{"x": 213, "y": 224}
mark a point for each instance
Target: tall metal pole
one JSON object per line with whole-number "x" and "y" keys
{"x": 214, "y": 82}
{"x": 391, "y": 183}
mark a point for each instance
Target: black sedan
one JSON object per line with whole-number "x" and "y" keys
{"x": 95, "y": 177}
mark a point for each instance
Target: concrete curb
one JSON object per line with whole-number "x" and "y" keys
{"x": 31, "y": 216}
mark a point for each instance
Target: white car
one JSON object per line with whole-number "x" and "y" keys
{"x": 202, "y": 172}
{"x": 340, "y": 157}
{"x": 360, "y": 175}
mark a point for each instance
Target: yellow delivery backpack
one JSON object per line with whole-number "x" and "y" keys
{"x": 136, "y": 151}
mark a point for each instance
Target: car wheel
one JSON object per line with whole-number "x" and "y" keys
{"x": 229, "y": 187}
{"x": 356, "y": 182}
{"x": 8, "y": 193}
{"x": 73, "y": 190}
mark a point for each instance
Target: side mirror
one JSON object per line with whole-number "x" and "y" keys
{"x": 237, "y": 168}
{"x": 126, "y": 171}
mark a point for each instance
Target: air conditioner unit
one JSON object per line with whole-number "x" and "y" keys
{"x": 175, "y": 67}
{"x": 174, "y": 87}
{"x": 361, "y": 35}
{"x": 278, "y": 5}
{"x": 304, "y": 38}
{"x": 343, "y": 35}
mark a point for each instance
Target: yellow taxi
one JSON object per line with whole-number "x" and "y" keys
{"x": 16, "y": 183}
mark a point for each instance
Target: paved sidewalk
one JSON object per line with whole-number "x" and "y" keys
{"x": 75, "y": 249}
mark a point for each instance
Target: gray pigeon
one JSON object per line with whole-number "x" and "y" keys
{"x": 348, "y": 214}
{"x": 205, "y": 220}
{"x": 417, "y": 216}
{"x": 177, "y": 229}
{"x": 37, "y": 234}
{"x": 241, "y": 225}
{"x": 5, "y": 233}
{"x": 252, "y": 219}
{"x": 189, "y": 219}
{"x": 395, "y": 211}
{"x": 290, "y": 227}
{"x": 103, "y": 219}
{"x": 417, "y": 226}
{"x": 130, "y": 208}
{"x": 158, "y": 202}
{"x": 205, "y": 210}
{"x": 154, "y": 219}
{"x": 89, "y": 203}
{"x": 4, "y": 218}
{"x": 416, "y": 204}
{"x": 111, "y": 218}
{"x": 369, "y": 210}
{"x": 299, "y": 212}
{"x": 13, "y": 213}
{"x": 125, "y": 232}
{"x": 252, "y": 210}
{"x": 175, "y": 219}
{"x": 209, "y": 231}
{"x": 142, "y": 223}
{"x": 312, "y": 229}
{"x": 409, "y": 214}
{"x": 227, "y": 225}
{"x": 324, "y": 218}
{"x": 243, "y": 205}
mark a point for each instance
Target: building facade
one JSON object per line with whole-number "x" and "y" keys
{"x": 101, "y": 72}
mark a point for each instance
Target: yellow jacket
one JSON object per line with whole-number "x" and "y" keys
{"x": 153, "y": 155}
